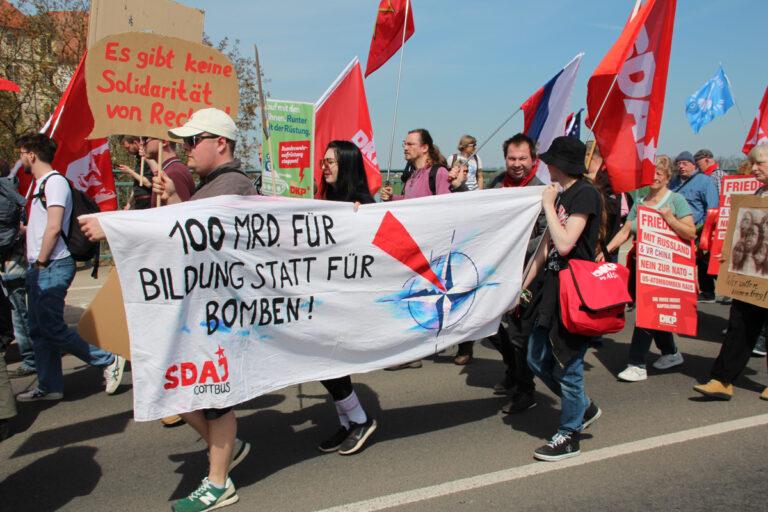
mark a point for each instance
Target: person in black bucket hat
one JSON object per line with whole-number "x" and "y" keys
{"x": 555, "y": 355}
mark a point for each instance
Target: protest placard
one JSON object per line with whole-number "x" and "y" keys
{"x": 744, "y": 276}
{"x": 104, "y": 324}
{"x": 165, "y": 17}
{"x": 247, "y": 295}
{"x": 731, "y": 185}
{"x": 145, "y": 84}
{"x": 666, "y": 276}
{"x": 290, "y": 152}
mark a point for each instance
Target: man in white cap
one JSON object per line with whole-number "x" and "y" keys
{"x": 209, "y": 139}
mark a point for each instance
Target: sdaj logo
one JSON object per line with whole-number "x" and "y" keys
{"x": 209, "y": 377}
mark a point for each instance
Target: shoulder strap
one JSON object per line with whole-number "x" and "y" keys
{"x": 41, "y": 193}
{"x": 433, "y": 179}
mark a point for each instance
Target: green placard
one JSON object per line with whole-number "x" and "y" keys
{"x": 288, "y": 161}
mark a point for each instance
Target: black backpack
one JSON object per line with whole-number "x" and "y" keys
{"x": 78, "y": 244}
{"x": 408, "y": 171}
{"x": 11, "y": 207}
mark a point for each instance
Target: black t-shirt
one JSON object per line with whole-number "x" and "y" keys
{"x": 581, "y": 197}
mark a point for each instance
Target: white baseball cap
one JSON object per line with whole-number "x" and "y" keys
{"x": 209, "y": 120}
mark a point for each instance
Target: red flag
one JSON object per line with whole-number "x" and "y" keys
{"x": 627, "y": 128}
{"x": 86, "y": 163}
{"x": 388, "y": 32}
{"x": 758, "y": 133}
{"x": 342, "y": 114}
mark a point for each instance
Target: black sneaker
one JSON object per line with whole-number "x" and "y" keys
{"x": 707, "y": 298}
{"x": 334, "y": 442}
{"x": 358, "y": 435}
{"x": 562, "y": 446}
{"x": 759, "y": 349}
{"x": 505, "y": 387}
{"x": 591, "y": 415}
{"x": 520, "y": 402}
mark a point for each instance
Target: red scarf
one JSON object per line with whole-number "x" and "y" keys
{"x": 509, "y": 182}
{"x": 709, "y": 170}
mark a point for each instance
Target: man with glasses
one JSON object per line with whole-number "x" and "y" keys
{"x": 209, "y": 139}
{"x": 429, "y": 176}
{"x": 51, "y": 271}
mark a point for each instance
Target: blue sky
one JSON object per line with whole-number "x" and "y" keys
{"x": 471, "y": 64}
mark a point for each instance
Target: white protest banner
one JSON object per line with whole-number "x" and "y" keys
{"x": 233, "y": 297}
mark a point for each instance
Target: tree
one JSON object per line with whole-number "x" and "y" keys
{"x": 41, "y": 42}
{"x": 248, "y": 118}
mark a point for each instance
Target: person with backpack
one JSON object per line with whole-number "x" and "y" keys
{"x": 51, "y": 271}
{"x": 13, "y": 268}
{"x": 556, "y": 355}
{"x": 426, "y": 173}
{"x": 467, "y": 147}
{"x": 677, "y": 213}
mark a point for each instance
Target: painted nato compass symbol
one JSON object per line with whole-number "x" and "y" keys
{"x": 443, "y": 288}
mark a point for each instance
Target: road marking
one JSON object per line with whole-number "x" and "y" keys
{"x": 539, "y": 468}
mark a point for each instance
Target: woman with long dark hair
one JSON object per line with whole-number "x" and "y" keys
{"x": 344, "y": 180}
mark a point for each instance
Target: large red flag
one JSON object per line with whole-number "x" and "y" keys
{"x": 7, "y": 85}
{"x": 86, "y": 163}
{"x": 627, "y": 127}
{"x": 388, "y": 32}
{"x": 758, "y": 133}
{"x": 342, "y": 114}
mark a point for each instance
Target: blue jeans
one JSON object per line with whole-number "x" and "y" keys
{"x": 566, "y": 382}
{"x": 641, "y": 344}
{"x": 17, "y": 294}
{"x": 46, "y": 291}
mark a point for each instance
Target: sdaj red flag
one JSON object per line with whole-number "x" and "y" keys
{"x": 388, "y": 32}
{"x": 625, "y": 95}
{"x": 342, "y": 114}
{"x": 758, "y": 132}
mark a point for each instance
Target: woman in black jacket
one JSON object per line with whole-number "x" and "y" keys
{"x": 344, "y": 180}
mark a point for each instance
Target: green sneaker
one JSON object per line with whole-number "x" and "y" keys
{"x": 207, "y": 497}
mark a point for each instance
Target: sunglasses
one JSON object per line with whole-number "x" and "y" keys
{"x": 327, "y": 162}
{"x": 194, "y": 140}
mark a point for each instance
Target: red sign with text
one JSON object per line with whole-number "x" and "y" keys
{"x": 732, "y": 185}
{"x": 294, "y": 154}
{"x": 666, "y": 276}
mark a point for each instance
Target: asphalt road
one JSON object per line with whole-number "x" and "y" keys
{"x": 442, "y": 443}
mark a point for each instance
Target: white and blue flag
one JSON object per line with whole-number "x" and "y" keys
{"x": 713, "y": 99}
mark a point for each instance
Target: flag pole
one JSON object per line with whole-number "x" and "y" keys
{"x": 733, "y": 96}
{"x": 264, "y": 124}
{"x": 493, "y": 134}
{"x": 635, "y": 10}
{"x": 397, "y": 90}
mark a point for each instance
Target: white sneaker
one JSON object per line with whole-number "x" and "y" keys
{"x": 668, "y": 361}
{"x": 113, "y": 374}
{"x": 633, "y": 373}
{"x": 35, "y": 394}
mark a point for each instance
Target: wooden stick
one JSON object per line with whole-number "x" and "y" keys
{"x": 159, "y": 167}
{"x": 264, "y": 123}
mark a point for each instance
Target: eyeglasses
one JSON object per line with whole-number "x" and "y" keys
{"x": 194, "y": 140}
{"x": 473, "y": 144}
{"x": 405, "y": 143}
{"x": 327, "y": 162}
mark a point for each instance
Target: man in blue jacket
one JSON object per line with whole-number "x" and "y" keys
{"x": 700, "y": 191}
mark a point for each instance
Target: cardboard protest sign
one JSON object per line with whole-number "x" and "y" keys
{"x": 145, "y": 84}
{"x": 290, "y": 152}
{"x": 103, "y": 324}
{"x": 109, "y": 17}
{"x": 248, "y": 295}
{"x": 731, "y": 185}
{"x": 745, "y": 276}
{"x": 666, "y": 276}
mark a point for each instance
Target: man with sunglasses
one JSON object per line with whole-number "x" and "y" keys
{"x": 209, "y": 139}
{"x": 172, "y": 167}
